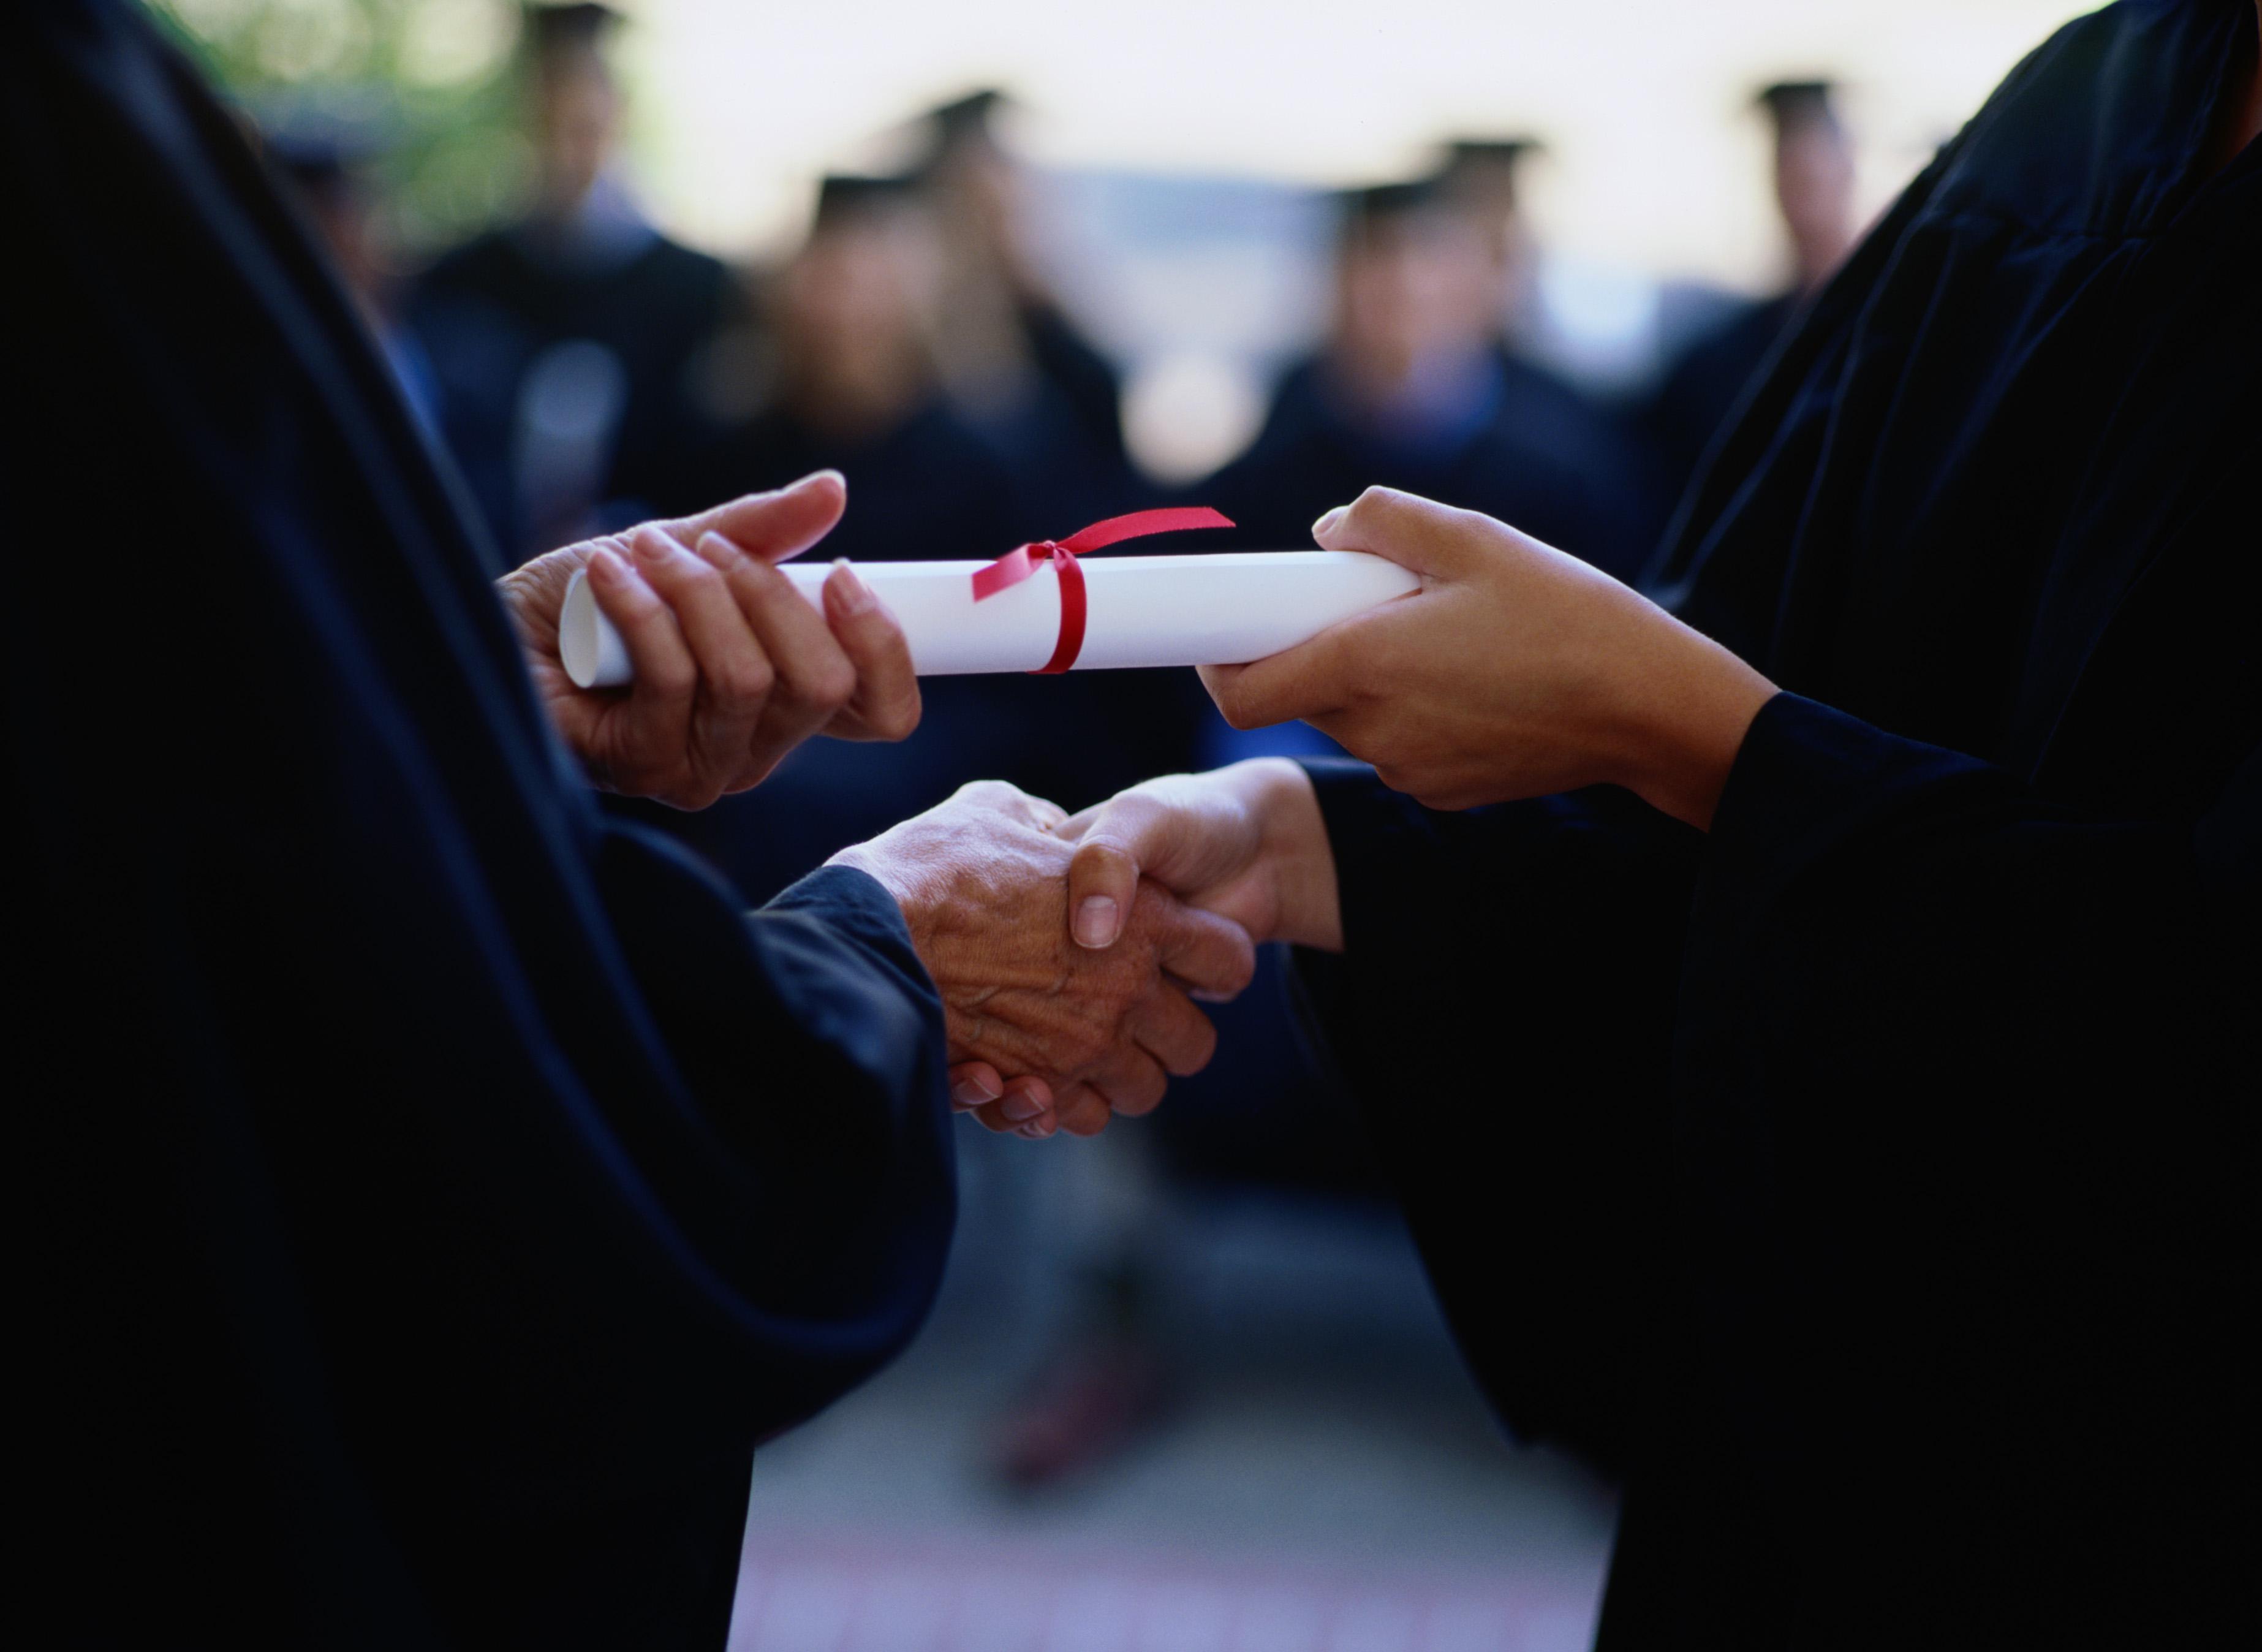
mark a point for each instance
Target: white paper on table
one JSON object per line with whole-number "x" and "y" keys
{"x": 1225, "y": 608}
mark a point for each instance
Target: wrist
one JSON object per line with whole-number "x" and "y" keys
{"x": 902, "y": 889}
{"x": 1293, "y": 843}
{"x": 1691, "y": 726}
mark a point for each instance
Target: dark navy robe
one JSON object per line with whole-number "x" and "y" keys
{"x": 1702, "y": 386}
{"x": 1872, "y": 1182}
{"x": 431, "y": 1189}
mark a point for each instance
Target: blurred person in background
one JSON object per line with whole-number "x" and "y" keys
{"x": 1413, "y": 389}
{"x": 1814, "y": 198}
{"x": 325, "y": 165}
{"x": 853, "y": 386}
{"x": 570, "y": 344}
{"x": 1013, "y": 361}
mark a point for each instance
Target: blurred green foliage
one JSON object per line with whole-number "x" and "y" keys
{"x": 429, "y": 89}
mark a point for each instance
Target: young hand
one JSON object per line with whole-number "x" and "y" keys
{"x": 1514, "y": 670}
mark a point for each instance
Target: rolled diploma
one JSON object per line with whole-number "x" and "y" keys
{"x": 1223, "y": 608}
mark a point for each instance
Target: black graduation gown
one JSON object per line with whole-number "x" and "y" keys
{"x": 431, "y": 1191}
{"x": 1871, "y": 1182}
{"x": 1540, "y": 458}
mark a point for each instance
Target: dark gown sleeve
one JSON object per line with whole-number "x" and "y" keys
{"x": 1501, "y": 1012}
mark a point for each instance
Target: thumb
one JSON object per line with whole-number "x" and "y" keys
{"x": 1184, "y": 834}
{"x": 1413, "y": 532}
{"x": 776, "y": 526}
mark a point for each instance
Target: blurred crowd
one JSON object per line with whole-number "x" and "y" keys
{"x": 585, "y": 372}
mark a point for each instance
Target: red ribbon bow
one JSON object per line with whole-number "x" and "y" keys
{"x": 1017, "y": 564}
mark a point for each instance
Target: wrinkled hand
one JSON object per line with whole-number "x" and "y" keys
{"x": 1514, "y": 670}
{"x": 983, "y": 882}
{"x": 733, "y": 667}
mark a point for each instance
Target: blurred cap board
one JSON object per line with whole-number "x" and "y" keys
{"x": 1791, "y": 103}
{"x": 968, "y": 116}
{"x": 1486, "y": 167}
{"x": 578, "y": 27}
{"x": 1372, "y": 203}
{"x": 846, "y": 195}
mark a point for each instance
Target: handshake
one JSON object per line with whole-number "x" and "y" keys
{"x": 1071, "y": 951}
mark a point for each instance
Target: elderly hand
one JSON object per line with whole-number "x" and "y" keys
{"x": 1514, "y": 670}
{"x": 983, "y": 882}
{"x": 733, "y": 667}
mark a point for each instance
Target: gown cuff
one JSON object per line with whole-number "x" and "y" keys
{"x": 854, "y": 903}
{"x": 1807, "y": 778}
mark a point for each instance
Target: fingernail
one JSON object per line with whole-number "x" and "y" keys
{"x": 972, "y": 1093}
{"x": 1020, "y": 1107}
{"x": 717, "y": 549}
{"x": 650, "y": 547}
{"x": 1036, "y": 1130}
{"x": 1095, "y": 922}
{"x": 815, "y": 477}
{"x": 606, "y": 564}
{"x": 1326, "y": 522}
{"x": 855, "y": 597}
{"x": 1203, "y": 995}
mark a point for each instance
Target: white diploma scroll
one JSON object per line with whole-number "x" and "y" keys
{"x": 1224, "y": 608}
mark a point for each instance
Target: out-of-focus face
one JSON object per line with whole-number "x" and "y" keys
{"x": 577, "y": 121}
{"x": 1814, "y": 190}
{"x": 1411, "y": 290}
{"x": 853, "y": 311}
{"x": 982, "y": 187}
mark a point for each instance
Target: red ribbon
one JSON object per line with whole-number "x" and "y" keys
{"x": 1017, "y": 564}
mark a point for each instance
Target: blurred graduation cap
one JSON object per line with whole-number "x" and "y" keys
{"x": 1484, "y": 170}
{"x": 843, "y": 195}
{"x": 581, "y": 27}
{"x": 966, "y": 116}
{"x": 1379, "y": 203}
{"x": 966, "y": 123}
{"x": 1487, "y": 155}
{"x": 1796, "y": 103}
{"x": 1370, "y": 209}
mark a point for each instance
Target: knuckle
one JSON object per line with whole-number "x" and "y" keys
{"x": 747, "y": 679}
{"x": 1098, "y": 856}
{"x": 895, "y": 720}
{"x": 833, "y": 684}
{"x": 672, "y": 678}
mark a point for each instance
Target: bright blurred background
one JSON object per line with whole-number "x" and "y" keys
{"x": 1186, "y": 1388}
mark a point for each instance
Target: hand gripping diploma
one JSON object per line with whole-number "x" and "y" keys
{"x": 1514, "y": 671}
{"x": 733, "y": 667}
